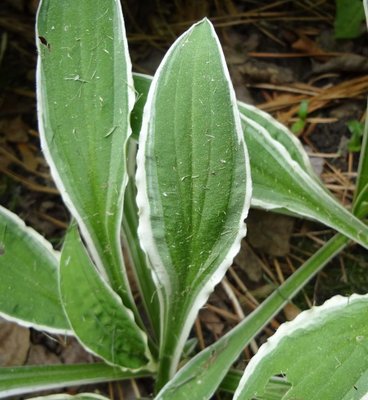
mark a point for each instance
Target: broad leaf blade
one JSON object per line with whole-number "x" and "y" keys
{"x": 99, "y": 319}
{"x": 321, "y": 353}
{"x": 85, "y": 94}
{"x": 193, "y": 181}
{"x": 279, "y": 181}
{"x": 26, "y": 379}
{"x": 28, "y": 277}
{"x": 282, "y": 175}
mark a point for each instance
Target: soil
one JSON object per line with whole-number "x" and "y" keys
{"x": 279, "y": 56}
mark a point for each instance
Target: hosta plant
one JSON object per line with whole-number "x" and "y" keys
{"x": 168, "y": 166}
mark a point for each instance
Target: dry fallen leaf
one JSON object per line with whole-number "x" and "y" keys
{"x": 212, "y": 322}
{"x": 29, "y": 156}
{"x": 291, "y": 311}
{"x": 75, "y": 353}
{"x": 259, "y": 71}
{"x": 248, "y": 260}
{"x": 40, "y": 355}
{"x": 270, "y": 232}
{"x": 14, "y": 343}
{"x": 344, "y": 63}
{"x": 15, "y": 130}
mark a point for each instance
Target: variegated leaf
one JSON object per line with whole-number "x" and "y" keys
{"x": 193, "y": 182}
{"x": 28, "y": 277}
{"x": 96, "y": 313}
{"x": 320, "y": 353}
{"x": 85, "y": 94}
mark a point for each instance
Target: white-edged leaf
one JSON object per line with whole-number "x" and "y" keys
{"x": 282, "y": 176}
{"x": 63, "y": 396}
{"x": 279, "y": 181}
{"x": 17, "y": 381}
{"x": 193, "y": 181}
{"x": 85, "y": 94}
{"x": 133, "y": 252}
{"x": 28, "y": 277}
{"x": 280, "y": 133}
{"x": 96, "y": 313}
{"x": 322, "y": 352}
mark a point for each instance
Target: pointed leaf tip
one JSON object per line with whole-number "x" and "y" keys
{"x": 193, "y": 179}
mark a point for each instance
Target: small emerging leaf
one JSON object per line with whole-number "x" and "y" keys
{"x": 99, "y": 319}
{"x": 356, "y": 129}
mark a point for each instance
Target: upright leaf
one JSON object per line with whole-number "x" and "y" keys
{"x": 282, "y": 176}
{"x": 276, "y": 130}
{"x": 321, "y": 352}
{"x": 85, "y": 95}
{"x": 28, "y": 277}
{"x": 193, "y": 182}
{"x": 133, "y": 250}
{"x": 142, "y": 84}
{"x": 96, "y": 313}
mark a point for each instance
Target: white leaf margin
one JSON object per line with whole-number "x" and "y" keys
{"x": 151, "y": 365}
{"x": 286, "y": 157}
{"x": 52, "y": 386}
{"x": 145, "y": 232}
{"x": 30, "y": 232}
{"x": 69, "y": 396}
{"x": 309, "y": 182}
{"x": 306, "y": 320}
{"x": 41, "y": 112}
{"x": 283, "y": 130}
